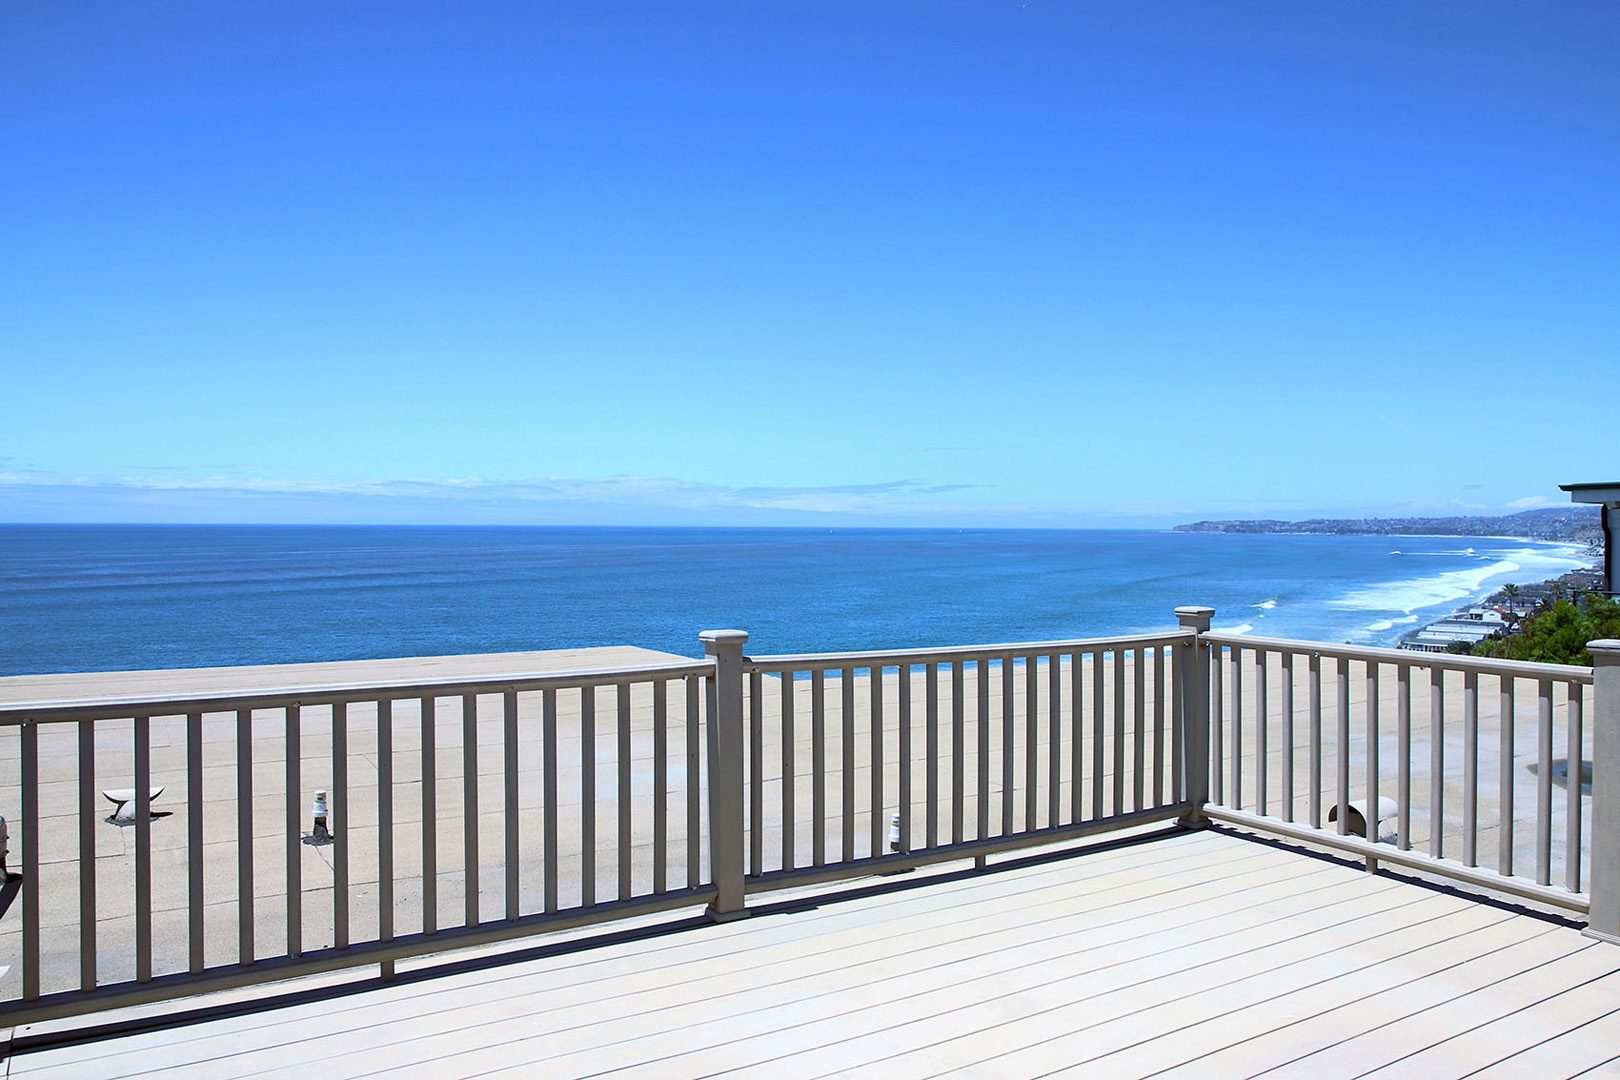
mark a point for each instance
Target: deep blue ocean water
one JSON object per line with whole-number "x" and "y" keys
{"x": 81, "y": 598}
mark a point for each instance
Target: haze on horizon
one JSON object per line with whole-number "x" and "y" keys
{"x": 1019, "y": 263}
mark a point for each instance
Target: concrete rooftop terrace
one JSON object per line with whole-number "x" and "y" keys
{"x": 1202, "y": 953}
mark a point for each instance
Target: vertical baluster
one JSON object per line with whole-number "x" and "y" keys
{"x": 1159, "y": 663}
{"x": 875, "y": 753}
{"x": 1371, "y": 667}
{"x": 1287, "y": 685}
{"x": 846, "y": 746}
{"x": 931, "y": 745}
{"x": 509, "y": 762}
{"x": 1139, "y": 729}
{"x": 958, "y": 758}
{"x": 29, "y": 764}
{"x": 1054, "y": 740}
{"x": 548, "y": 796}
{"x": 1342, "y": 715}
{"x": 429, "y": 720}
{"x": 244, "y": 836}
{"x": 981, "y": 678}
{"x": 385, "y": 825}
{"x": 295, "y": 876}
{"x": 624, "y": 793}
{"x": 756, "y": 774}
{"x": 143, "y": 849}
{"x": 194, "y": 843}
{"x": 1009, "y": 714}
{"x": 587, "y": 794}
{"x": 1098, "y": 722}
{"x": 1236, "y": 747}
{"x": 87, "y": 854}
{"x": 340, "y": 815}
{"x": 1544, "y": 768}
{"x": 1178, "y": 789}
{"x": 818, "y": 767}
{"x": 1437, "y": 762}
{"x": 1314, "y": 756}
{"x": 903, "y": 728}
{"x": 1504, "y": 778}
{"x": 1118, "y": 664}
{"x": 1217, "y": 726}
{"x": 1032, "y": 743}
{"x": 788, "y": 825}
{"x": 470, "y": 877}
{"x": 1262, "y": 745}
{"x": 1470, "y": 768}
{"x": 660, "y": 692}
{"x": 694, "y": 781}
{"x": 1403, "y": 739}
{"x": 1077, "y": 761}
{"x": 1572, "y": 788}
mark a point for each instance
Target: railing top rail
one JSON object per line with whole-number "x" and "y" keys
{"x": 13, "y": 713}
{"x": 947, "y": 654}
{"x": 1446, "y": 661}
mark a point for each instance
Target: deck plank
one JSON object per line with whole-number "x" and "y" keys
{"x": 1579, "y": 1050}
{"x": 1564, "y": 1012}
{"x": 1422, "y": 1029}
{"x": 1477, "y": 962}
{"x": 1203, "y": 952}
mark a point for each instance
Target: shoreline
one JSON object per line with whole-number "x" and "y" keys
{"x": 1528, "y": 598}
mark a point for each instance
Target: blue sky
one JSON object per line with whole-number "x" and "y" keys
{"x": 936, "y": 263}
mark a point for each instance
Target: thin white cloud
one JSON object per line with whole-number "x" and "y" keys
{"x": 647, "y": 492}
{"x": 1533, "y": 502}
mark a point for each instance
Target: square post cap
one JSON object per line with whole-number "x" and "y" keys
{"x": 1195, "y": 617}
{"x": 1606, "y": 648}
{"x": 719, "y": 639}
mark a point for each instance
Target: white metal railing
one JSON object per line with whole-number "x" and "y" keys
{"x": 1310, "y": 740}
{"x": 786, "y": 769}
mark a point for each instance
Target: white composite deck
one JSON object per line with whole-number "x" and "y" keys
{"x": 1200, "y": 954}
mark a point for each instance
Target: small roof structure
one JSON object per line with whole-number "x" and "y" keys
{"x": 1607, "y": 496}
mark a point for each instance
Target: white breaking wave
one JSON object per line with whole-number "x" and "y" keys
{"x": 1240, "y": 628}
{"x": 1267, "y": 605}
{"x": 1415, "y": 594}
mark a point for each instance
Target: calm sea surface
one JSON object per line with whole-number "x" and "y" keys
{"x": 79, "y": 598}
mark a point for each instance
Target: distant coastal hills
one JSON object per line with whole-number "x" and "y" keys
{"x": 1575, "y": 524}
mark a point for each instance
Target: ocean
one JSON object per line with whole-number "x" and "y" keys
{"x": 84, "y": 598}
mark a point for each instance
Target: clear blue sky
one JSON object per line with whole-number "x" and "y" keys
{"x": 936, "y": 263}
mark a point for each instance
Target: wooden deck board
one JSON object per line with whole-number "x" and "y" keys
{"x": 1202, "y": 951}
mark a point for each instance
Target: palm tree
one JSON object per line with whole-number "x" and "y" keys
{"x": 1510, "y": 593}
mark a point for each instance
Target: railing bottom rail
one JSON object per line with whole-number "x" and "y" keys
{"x": 1414, "y": 860}
{"x": 968, "y": 849}
{"x": 322, "y": 961}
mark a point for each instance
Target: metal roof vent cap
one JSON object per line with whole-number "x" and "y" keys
{"x": 1356, "y": 819}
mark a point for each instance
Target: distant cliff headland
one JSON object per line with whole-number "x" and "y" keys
{"x": 1575, "y": 524}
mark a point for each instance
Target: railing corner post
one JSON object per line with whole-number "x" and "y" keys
{"x": 1603, "y": 921}
{"x": 725, "y": 738}
{"x": 1192, "y": 667}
